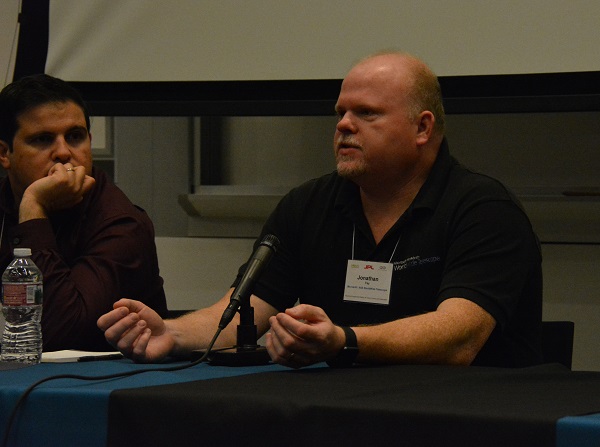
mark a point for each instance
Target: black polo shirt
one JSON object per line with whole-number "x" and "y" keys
{"x": 465, "y": 235}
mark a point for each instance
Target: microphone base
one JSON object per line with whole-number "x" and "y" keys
{"x": 236, "y": 357}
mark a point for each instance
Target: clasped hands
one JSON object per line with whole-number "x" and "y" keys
{"x": 303, "y": 335}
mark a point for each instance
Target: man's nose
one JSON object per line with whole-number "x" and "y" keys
{"x": 61, "y": 151}
{"x": 346, "y": 124}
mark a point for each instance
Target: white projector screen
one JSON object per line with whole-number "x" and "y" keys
{"x": 9, "y": 28}
{"x": 239, "y": 40}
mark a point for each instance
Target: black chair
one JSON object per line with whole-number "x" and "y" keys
{"x": 557, "y": 342}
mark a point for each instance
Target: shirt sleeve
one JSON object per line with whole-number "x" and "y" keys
{"x": 492, "y": 257}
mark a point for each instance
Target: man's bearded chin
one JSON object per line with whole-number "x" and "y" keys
{"x": 349, "y": 167}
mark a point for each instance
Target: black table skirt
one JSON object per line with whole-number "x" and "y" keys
{"x": 390, "y": 405}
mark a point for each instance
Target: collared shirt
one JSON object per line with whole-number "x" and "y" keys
{"x": 465, "y": 235}
{"x": 90, "y": 256}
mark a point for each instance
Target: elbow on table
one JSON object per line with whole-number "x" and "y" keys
{"x": 463, "y": 358}
{"x": 464, "y": 353}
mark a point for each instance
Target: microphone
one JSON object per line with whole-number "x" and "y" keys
{"x": 246, "y": 352}
{"x": 259, "y": 260}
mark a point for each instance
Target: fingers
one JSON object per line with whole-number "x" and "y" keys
{"x": 123, "y": 330}
{"x": 67, "y": 170}
{"x": 74, "y": 176}
{"x": 121, "y": 309}
{"x": 116, "y": 323}
{"x": 88, "y": 183}
{"x": 280, "y": 354}
{"x": 78, "y": 175}
{"x": 110, "y": 318}
{"x": 140, "y": 344}
{"x": 301, "y": 336}
{"x": 63, "y": 187}
{"x": 285, "y": 345}
{"x": 276, "y": 348}
{"x": 306, "y": 312}
{"x": 136, "y": 330}
{"x": 132, "y": 305}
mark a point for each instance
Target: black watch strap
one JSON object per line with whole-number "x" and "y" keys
{"x": 348, "y": 353}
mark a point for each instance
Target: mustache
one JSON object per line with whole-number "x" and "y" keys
{"x": 347, "y": 140}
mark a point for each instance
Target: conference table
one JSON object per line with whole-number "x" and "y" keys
{"x": 207, "y": 405}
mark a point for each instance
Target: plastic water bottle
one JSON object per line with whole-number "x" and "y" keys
{"x": 22, "y": 294}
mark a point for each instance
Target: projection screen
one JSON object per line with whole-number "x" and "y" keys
{"x": 150, "y": 50}
{"x": 208, "y": 40}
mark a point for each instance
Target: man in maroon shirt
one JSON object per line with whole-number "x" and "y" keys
{"x": 91, "y": 243}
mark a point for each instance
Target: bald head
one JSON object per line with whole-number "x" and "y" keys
{"x": 409, "y": 80}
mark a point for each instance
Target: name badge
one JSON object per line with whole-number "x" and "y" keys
{"x": 368, "y": 282}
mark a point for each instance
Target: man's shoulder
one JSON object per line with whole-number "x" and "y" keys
{"x": 108, "y": 200}
{"x": 470, "y": 192}
{"x": 468, "y": 183}
{"x": 318, "y": 188}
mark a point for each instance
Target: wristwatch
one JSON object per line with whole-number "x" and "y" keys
{"x": 348, "y": 353}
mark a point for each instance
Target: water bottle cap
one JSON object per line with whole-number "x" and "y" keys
{"x": 22, "y": 252}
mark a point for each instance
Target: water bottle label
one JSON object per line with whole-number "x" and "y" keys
{"x": 20, "y": 294}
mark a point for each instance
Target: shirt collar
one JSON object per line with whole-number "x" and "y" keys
{"x": 430, "y": 193}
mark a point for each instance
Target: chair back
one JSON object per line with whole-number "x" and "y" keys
{"x": 557, "y": 342}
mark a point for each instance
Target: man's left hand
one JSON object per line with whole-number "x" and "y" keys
{"x": 303, "y": 335}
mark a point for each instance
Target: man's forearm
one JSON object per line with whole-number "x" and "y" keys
{"x": 453, "y": 334}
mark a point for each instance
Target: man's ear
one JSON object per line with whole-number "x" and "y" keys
{"x": 4, "y": 151}
{"x": 425, "y": 127}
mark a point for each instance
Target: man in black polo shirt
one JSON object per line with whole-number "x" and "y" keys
{"x": 399, "y": 256}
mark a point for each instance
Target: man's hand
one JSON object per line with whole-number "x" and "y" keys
{"x": 63, "y": 187}
{"x": 303, "y": 335}
{"x": 137, "y": 331}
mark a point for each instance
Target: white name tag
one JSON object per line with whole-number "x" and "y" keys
{"x": 368, "y": 282}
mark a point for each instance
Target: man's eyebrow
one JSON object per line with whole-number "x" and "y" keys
{"x": 38, "y": 133}
{"x": 78, "y": 127}
{"x": 77, "y": 130}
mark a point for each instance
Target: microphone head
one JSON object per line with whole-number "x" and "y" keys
{"x": 271, "y": 241}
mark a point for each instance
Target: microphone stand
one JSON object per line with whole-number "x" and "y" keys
{"x": 246, "y": 352}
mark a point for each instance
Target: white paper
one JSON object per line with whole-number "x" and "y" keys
{"x": 77, "y": 356}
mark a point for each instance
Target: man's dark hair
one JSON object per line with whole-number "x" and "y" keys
{"x": 33, "y": 91}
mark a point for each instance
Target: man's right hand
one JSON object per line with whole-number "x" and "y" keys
{"x": 137, "y": 331}
{"x": 63, "y": 187}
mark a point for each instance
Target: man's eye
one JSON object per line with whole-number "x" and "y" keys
{"x": 75, "y": 137}
{"x": 42, "y": 140}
